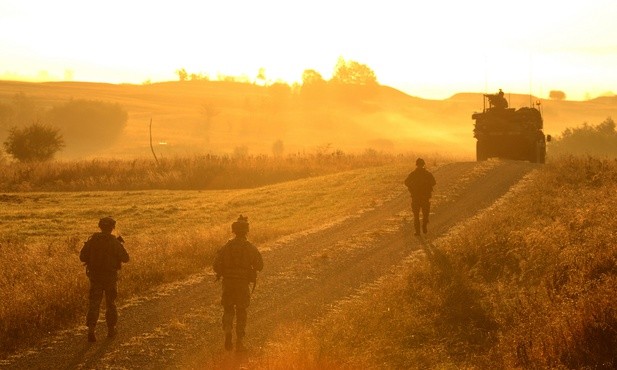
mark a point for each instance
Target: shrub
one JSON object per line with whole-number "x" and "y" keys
{"x": 598, "y": 140}
{"x": 37, "y": 142}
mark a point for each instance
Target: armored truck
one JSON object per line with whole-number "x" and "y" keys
{"x": 507, "y": 132}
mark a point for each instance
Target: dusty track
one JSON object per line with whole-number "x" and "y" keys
{"x": 304, "y": 277}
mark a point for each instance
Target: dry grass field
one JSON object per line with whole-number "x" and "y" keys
{"x": 169, "y": 235}
{"x": 205, "y": 172}
{"x": 528, "y": 283}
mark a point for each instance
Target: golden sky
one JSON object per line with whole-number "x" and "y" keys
{"x": 431, "y": 49}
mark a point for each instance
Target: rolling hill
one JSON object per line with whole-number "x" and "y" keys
{"x": 230, "y": 117}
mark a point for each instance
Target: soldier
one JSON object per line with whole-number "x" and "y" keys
{"x": 498, "y": 101}
{"x": 237, "y": 262}
{"x": 420, "y": 183}
{"x": 103, "y": 255}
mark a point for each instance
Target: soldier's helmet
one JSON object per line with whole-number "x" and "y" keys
{"x": 420, "y": 162}
{"x": 241, "y": 226}
{"x": 107, "y": 223}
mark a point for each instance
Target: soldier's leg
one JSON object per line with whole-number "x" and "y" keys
{"x": 228, "y": 302}
{"x": 244, "y": 299}
{"x": 95, "y": 296}
{"x": 415, "y": 209}
{"x": 111, "y": 312}
{"x": 240, "y": 321}
{"x": 426, "y": 210}
{"x": 228, "y": 320}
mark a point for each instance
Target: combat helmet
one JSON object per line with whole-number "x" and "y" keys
{"x": 420, "y": 162}
{"x": 241, "y": 226}
{"x": 107, "y": 223}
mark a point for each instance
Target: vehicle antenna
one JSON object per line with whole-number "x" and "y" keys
{"x": 530, "y": 78}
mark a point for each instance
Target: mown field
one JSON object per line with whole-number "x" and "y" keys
{"x": 169, "y": 234}
{"x": 529, "y": 283}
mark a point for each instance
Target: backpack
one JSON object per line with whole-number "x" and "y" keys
{"x": 234, "y": 261}
{"x": 101, "y": 259}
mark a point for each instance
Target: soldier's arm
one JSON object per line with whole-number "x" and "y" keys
{"x": 258, "y": 262}
{"x": 123, "y": 255}
{"x": 217, "y": 264}
{"x": 84, "y": 253}
{"x": 408, "y": 181}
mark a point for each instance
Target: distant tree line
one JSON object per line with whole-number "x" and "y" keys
{"x": 350, "y": 80}
{"x": 34, "y": 133}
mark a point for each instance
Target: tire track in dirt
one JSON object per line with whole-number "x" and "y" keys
{"x": 179, "y": 327}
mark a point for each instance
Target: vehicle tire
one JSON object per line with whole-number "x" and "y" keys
{"x": 481, "y": 154}
{"x": 541, "y": 154}
{"x": 538, "y": 153}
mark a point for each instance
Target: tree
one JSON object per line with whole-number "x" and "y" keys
{"x": 88, "y": 125}
{"x": 37, "y": 142}
{"x": 311, "y": 77}
{"x": 261, "y": 77}
{"x": 182, "y": 74}
{"x": 210, "y": 110}
{"x": 353, "y": 82}
{"x": 313, "y": 85}
{"x": 278, "y": 148}
{"x": 353, "y": 73}
{"x": 557, "y": 95}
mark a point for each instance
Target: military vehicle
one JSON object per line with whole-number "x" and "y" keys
{"x": 509, "y": 133}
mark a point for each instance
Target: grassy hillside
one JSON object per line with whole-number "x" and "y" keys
{"x": 529, "y": 283}
{"x": 226, "y": 117}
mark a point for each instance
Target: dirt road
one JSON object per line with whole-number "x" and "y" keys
{"x": 178, "y": 326}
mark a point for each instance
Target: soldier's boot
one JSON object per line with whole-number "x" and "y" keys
{"x": 91, "y": 334}
{"x": 112, "y": 332}
{"x": 228, "y": 344}
{"x": 425, "y": 227}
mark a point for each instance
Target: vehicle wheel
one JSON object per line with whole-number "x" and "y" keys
{"x": 541, "y": 153}
{"x": 538, "y": 153}
{"x": 481, "y": 154}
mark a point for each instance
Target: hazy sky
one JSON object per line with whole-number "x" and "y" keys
{"x": 430, "y": 49}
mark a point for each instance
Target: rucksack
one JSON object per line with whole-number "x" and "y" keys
{"x": 102, "y": 257}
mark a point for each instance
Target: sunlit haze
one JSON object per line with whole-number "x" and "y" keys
{"x": 427, "y": 49}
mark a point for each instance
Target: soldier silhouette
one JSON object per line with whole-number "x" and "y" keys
{"x": 498, "y": 100}
{"x": 420, "y": 184}
{"x": 238, "y": 262}
{"x": 103, "y": 255}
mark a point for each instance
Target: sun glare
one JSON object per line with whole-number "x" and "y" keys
{"x": 431, "y": 50}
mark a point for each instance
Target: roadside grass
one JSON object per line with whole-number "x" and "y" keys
{"x": 528, "y": 283}
{"x": 169, "y": 235}
{"x": 192, "y": 172}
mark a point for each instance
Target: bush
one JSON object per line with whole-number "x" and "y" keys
{"x": 89, "y": 125}
{"x": 37, "y": 142}
{"x": 600, "y": 140}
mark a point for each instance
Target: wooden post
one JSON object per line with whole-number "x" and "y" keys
{"x": 151, "y": 147}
